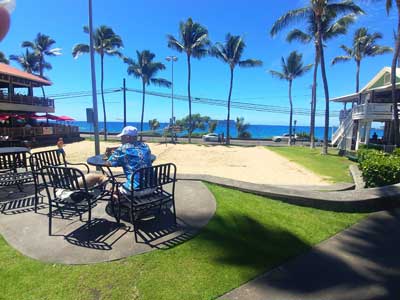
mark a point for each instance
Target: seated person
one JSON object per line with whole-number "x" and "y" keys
{"x": 131, "y": 156}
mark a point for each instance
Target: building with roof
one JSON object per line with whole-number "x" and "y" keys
{"x": 19, "y": 108}
{"x": 373, "y": 104}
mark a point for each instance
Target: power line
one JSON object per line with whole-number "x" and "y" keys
{"x": 239, "y": 105}
{"x": 207, "y": 101}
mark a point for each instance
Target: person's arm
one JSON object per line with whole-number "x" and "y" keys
{"x": 116, "y": 159}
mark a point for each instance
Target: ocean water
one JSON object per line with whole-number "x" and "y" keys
{"x": 257, "y": 131}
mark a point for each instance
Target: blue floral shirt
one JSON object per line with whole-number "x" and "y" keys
{"x": 131, "y": 157}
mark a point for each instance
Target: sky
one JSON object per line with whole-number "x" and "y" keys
{"x": 144, "y": 25}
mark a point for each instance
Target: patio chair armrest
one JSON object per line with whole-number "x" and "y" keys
{"x": 79, "y": 164}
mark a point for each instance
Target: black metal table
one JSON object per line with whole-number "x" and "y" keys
{"x": 10, "y": 150}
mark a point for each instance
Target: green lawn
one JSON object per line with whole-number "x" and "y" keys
{"x": 332, "y": 166}
{"x": 248, "y": 235}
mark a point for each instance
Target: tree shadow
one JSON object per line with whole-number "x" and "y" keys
{"x": 359, "y": 263}
{"x": 246, "y": 242}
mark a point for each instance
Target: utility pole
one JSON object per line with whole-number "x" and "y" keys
{"x": 94, "y": 88}
{"x": 124, "y": 91}
{"x": 172, "y": 59}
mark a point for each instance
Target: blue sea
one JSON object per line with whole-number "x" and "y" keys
{"x": 257, "y": 131}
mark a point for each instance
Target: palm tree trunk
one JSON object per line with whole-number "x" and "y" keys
{"x": 326, "y": 91}
{"x": 358, "y": 76}
{"x": 228, "y": 139}
{"x": 291, "y": 113}
{"x": 190, "y": 100}
{"x": 143, "y": 101}
{"x": 102, "y": 97}
{"x": 314, "y": 99}
{"x": 41, "y": 73}
{"x": 393, "y": 81}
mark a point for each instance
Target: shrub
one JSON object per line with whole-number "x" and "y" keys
{"x": 371, "y": 147}
{"x": 396, "y": 152}
{"x": 379, "y": 168}
{"x": 364, "y": 154}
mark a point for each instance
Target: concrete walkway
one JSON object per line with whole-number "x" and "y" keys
{"x": 360, "y": 263}
{"x": 327, "y": 198}
{"x": 73, "y": 242}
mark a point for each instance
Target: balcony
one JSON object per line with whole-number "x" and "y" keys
{"x": 25, "y": 103}
{"x": 18, "y": 133}
{"x": 373, "y": 111}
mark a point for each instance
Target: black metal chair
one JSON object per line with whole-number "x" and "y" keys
{"x": 142, "y": 205}
{"x": 66, "y": 188}
{"x": 39, "y": 160}
{"x": 14, "y": 170}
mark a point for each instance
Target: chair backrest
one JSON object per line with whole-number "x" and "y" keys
{"x": 13, "y": 161}
{"x": 64, "y": 178}
{"x": 39, "y": 160}
{"x": 153, "y": 177}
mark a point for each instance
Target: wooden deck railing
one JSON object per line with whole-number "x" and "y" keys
{"x": 27, "y": 100}
{"x": 23, "y": 132}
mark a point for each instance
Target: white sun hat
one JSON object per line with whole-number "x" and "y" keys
{"x": 128, "y": 131}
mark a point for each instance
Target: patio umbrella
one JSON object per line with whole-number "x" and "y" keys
{"x": 65, "y": 118}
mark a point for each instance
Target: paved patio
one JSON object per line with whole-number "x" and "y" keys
{"x": 73, "y": 243}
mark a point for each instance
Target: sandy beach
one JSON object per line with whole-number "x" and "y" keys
{"x": 251, "y": 164}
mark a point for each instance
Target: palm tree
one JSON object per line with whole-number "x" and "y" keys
{"x": 194, "y": 42}
{"x": 242, "y": 128}
{"x": 28, "y": 61}
{"x": 396, "y": 135}
{"x": 3, "y": 58}
{"x": 106, "y": 42}
{"x": 212, "y": 125}
{"x": 292, "y": 68}
{"x": 154, "y": 124}
{"x": 42, "y": 47}
{"x": 364, "y": 45}
{"x": 231, "y": 53}
{"x": 318, "y": 11}
{"x": 332, "y": 27}
{"x": 146, "y": 69}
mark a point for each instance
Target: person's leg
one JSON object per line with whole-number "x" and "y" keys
{"x": 92, "y": 180}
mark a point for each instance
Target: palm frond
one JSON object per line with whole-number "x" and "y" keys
{"x": 278, "y": 74}
{"x": 193, "y": 39}
{"x": 298, "y": 35}
{"x": 346, "y": 49}
{"x": 218, "y": 51}
{"x": 379, "y": 50}
{"x": 250, "y": 63}
{"x": 173, "y": 43}
{"x": 28, "y": 44}
{"x": 344, "y": 7}
{"x": 80, "y": 49}
{"x": 339, "y": 27}
{"x": 289, "y": 18}
{"x": 3, "y": 58}
{"x": 341, "y": 58}
{"x": 161, "y": 82}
